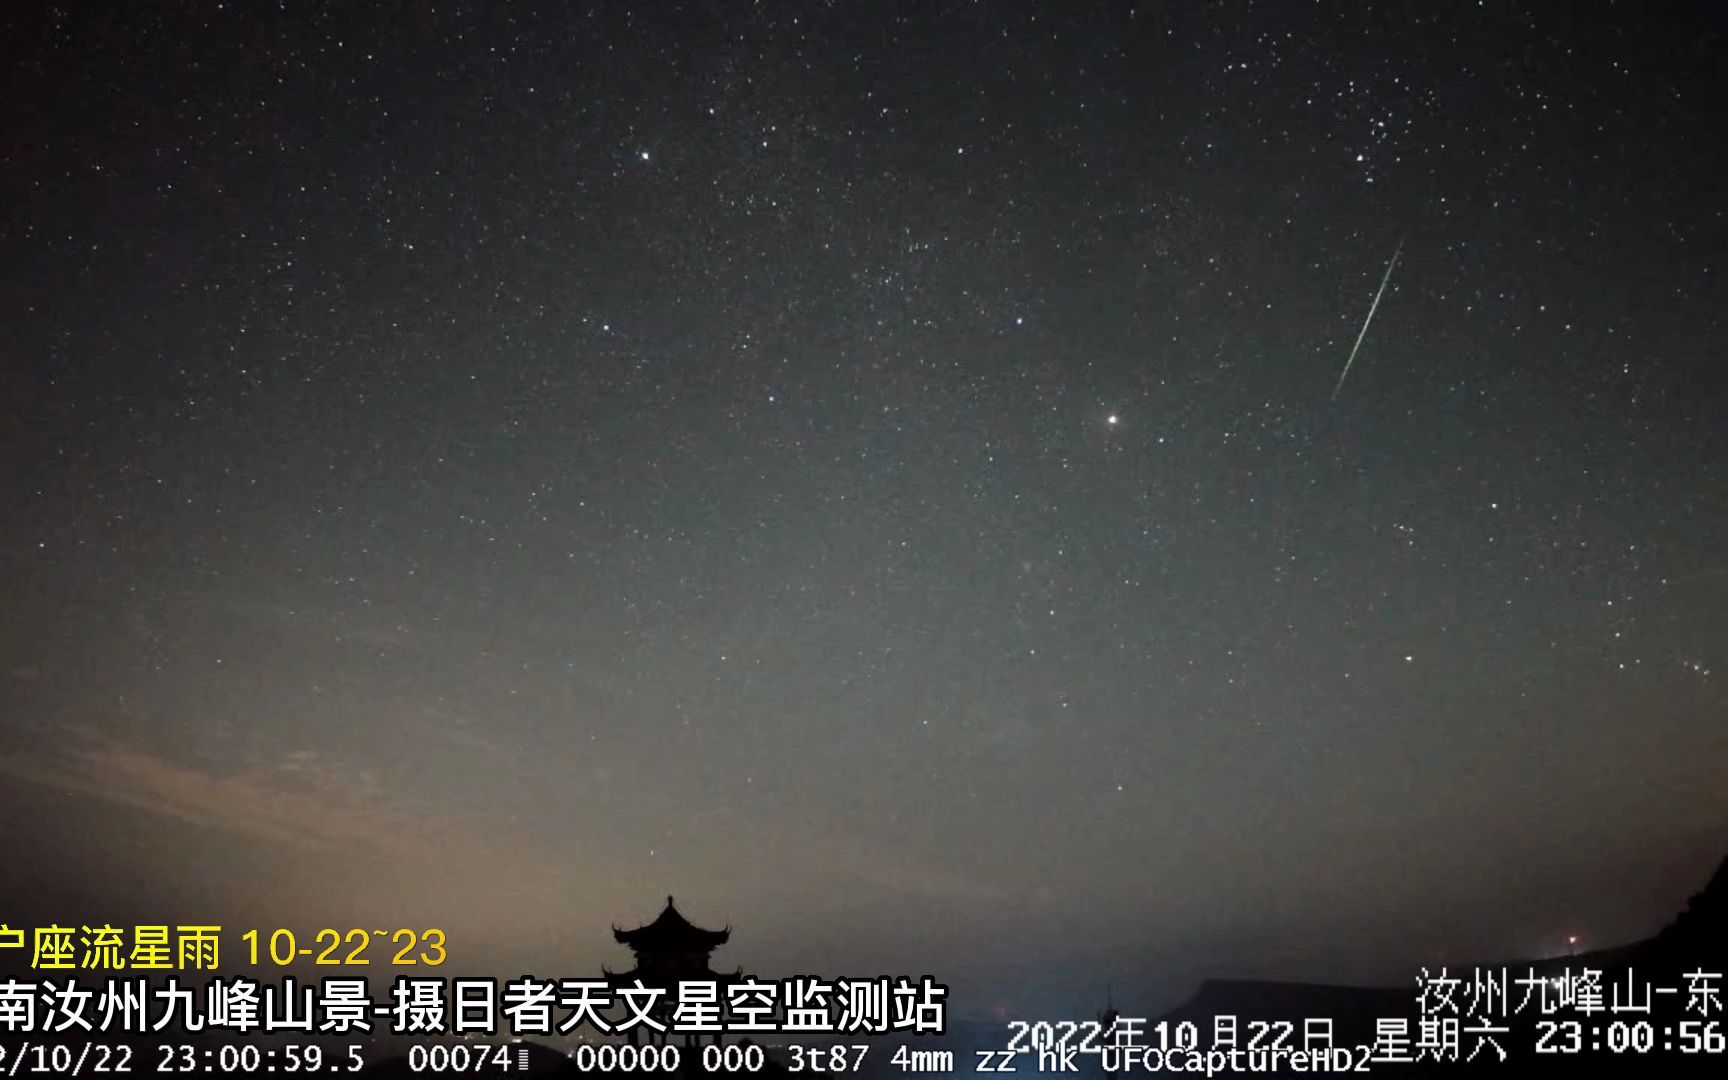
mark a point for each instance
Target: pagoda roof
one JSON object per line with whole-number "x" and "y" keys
{"x": 671, "y": 932}
{"x": 670, "y": 980}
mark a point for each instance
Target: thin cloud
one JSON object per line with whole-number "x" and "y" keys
{"x": 314, "y": 801}
{"x": 304, "y": 800}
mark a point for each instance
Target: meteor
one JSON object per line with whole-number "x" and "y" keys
{"x": 1372, "y": 308}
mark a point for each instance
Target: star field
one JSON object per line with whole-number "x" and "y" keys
{"x": 871, "y": 472}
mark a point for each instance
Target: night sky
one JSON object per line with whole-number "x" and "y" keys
{"x": 872, "y": 472}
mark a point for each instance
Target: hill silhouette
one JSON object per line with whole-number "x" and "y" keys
{"x": 1694, "y": 941}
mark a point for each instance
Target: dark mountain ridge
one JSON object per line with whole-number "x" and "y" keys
{"x": 1695, "y": 942}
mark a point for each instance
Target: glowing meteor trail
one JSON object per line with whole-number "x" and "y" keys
{"x": 1372, "y": 308}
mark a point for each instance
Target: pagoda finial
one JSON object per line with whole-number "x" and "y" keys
{"x": 1107, "y": 1019}
{"x": 668, "y": 900}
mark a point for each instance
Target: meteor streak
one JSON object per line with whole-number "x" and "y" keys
{"x": 1372, "y": 308}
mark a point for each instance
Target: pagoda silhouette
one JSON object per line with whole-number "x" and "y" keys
{"x": 670, "y": 950}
